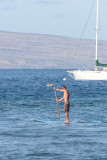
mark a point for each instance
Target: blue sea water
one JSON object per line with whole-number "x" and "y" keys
{"x": 25, "y": 97}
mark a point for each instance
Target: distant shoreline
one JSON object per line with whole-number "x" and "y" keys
{"x": 40, "y": 51}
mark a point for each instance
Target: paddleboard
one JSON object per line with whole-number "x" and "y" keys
{"x": 46, "y": 121}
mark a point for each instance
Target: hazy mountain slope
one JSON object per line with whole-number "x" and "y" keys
{"x": 43, "y": 51}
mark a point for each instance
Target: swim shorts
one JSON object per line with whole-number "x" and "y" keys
{"x": 66, "y": 107}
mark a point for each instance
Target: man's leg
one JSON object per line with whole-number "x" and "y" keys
{"x": 67, "y": 117}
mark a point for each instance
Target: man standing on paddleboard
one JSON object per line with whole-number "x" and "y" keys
{"x": 66, "y": 101}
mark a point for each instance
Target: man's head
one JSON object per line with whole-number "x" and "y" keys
{"x": 63, "y": 87}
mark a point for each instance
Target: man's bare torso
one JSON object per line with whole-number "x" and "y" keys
{"x": 66, "y": 96}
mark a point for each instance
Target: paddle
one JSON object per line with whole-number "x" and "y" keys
{"x": 57, "y": 104}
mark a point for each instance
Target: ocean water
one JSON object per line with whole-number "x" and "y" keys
{"x": 25, "y": 98}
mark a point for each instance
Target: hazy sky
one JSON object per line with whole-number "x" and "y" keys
{"x": 53, "y": 17}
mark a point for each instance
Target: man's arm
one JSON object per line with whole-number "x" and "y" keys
{"x": 60, "y": 90}
{"x": 60, "y": 99}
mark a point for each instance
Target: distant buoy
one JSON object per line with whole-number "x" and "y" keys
{"x": 49, "y": 84}
{"x": 64, "y": 79}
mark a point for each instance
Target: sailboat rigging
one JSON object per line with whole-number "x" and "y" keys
{"x": 92, "y": 75}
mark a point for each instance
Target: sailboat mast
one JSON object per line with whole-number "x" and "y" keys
{"x": 96, "y": 32}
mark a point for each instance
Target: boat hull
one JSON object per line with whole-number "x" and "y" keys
{"x": 88, "y": 75}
